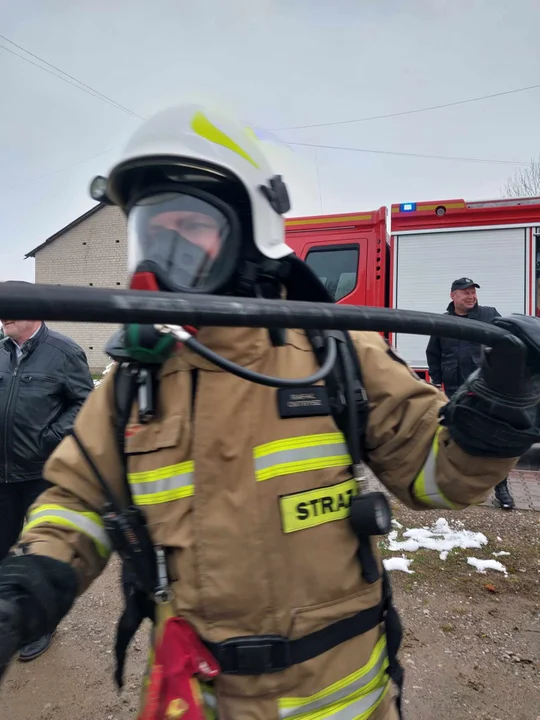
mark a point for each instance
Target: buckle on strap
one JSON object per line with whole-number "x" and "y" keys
{"x": 257, "y": 655}
{"x": 262, "y": 654}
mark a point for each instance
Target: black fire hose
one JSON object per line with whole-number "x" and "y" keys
{"x": 107, "y": 305}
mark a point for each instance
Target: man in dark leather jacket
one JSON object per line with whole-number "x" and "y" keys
{"x": 44, "y": 380}
{"x": 451, "y": 361}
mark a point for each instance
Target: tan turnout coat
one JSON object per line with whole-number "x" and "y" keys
{"x": 222, "y": 486}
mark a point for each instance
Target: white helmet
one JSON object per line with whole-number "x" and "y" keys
{"x": 194, "y": 152}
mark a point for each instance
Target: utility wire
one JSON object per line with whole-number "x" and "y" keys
{"x": 70, "y": 79}
{"x": 81, "y": 85}
{"x": 409, "y": 112}
{"x": 311, "y": 145}
{"x": 407, "y": 154}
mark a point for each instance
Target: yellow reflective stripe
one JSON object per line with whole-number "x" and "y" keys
{"x": 326, "y": 219}
{"x": 162, "y": 473}
{"x": 353, "y": 708}
{"x": 299, "y": 441}
{"x": 300, "y": 454}
{"x": 425, "y": 488}
{"x": 87, "y": 523}
{"x": 355, "y": 697}
{"x": 164, "y": 484}
{"x": 203, "y": 127}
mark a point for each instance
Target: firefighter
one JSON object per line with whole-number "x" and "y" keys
{"x": 238, "y": 471}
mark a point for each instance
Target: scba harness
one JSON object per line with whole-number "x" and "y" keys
{"x": 144, "y": 577}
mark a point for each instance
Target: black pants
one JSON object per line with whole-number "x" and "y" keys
{"x": 15, "y": 500}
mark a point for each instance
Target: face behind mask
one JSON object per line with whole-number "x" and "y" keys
{"x": 188, "y": 243}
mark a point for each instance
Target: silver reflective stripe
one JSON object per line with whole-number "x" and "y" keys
{"x": 210, "y": 704}
{"x": 363, "y": 707}
{"x": 78, "y": 520}
{"x": 360, "y": 708}
{"x": 166, "y": 485}
{"x": 425, "y": 488}
{"x": 341, "y": 698}
{"x": 301, "y": 455}
{"x": 209, "y": 700}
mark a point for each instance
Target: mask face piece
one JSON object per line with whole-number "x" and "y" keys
{"x": 190, "y": 244}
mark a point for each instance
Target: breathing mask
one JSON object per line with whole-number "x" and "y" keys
{"x": 188, "y": 239}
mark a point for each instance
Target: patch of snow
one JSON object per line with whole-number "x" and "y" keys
{"x": 483, "y": 565}
{"x": 440, "y": 537}
{"x": 405, "y": 545}
{"x": 397, "y": 563}
{"x": 397, "y": 524}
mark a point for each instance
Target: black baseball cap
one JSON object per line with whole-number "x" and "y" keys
{"x": 463, "y": 283}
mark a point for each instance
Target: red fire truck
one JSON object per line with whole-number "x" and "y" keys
{"x": 411, "y": 261}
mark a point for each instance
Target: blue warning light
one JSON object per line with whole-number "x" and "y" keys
{"x": 407, "y": 207}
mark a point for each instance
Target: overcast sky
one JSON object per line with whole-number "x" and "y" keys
{"x": 277, "y": 64}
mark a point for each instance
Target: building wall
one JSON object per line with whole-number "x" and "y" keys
{"x": 93, "y": 253}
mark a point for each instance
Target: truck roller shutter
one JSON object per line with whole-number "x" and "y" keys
{"x": 427, "y": 263}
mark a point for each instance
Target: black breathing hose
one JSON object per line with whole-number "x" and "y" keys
{"x": 268, "y": 380}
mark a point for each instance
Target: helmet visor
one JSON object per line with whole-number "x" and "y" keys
{"x": 180, "y": 238}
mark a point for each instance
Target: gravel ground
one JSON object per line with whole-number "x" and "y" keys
{"x": 471, "y": 647}
{"x": 472, "y": 641}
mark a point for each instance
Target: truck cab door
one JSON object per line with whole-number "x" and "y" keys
{"x": 341, "y": 265}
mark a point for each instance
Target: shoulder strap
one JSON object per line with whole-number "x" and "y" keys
{"x": 125, "y": 392}
{"x": 345, "y": 387}
{"x": 357, "y": 396}
{"x": 350, "y": 409}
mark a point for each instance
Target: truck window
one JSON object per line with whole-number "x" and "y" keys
{"x": 336, "y": 268}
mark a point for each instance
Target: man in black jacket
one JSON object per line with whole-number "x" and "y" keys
{"x": 44, "y": 380}
{"x": 451, "y": 361}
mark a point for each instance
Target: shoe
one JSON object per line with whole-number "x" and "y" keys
{"x": 502, "y": 493}
{"x": 35, "y": 649}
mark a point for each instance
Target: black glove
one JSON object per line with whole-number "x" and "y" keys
{"x": 35, "y": 594}
{"x": 10, "y": 630}
{"x": 495, "y": 413}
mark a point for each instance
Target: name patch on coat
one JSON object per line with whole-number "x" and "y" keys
{"x": 301, "y": 402}
{"x": 303, "y": 510}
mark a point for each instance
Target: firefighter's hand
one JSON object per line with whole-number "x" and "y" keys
{"x": 510, "y": 370}
{"x": 10, "y": 630}
{"x": 496, "y": 412}
{"x": 527, "y": 330}
{"x": 35, "y": 593}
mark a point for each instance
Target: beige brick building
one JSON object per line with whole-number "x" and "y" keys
{"x": 90, "y": 251}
